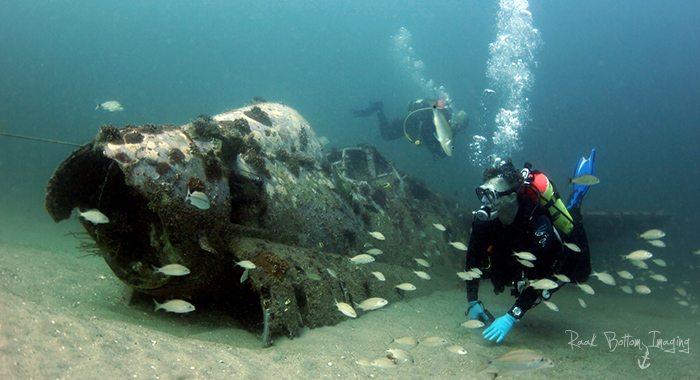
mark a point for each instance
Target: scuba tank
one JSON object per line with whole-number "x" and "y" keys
{"x": 538, "y": 186}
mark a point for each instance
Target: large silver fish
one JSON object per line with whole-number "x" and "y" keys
{"x": 443, "y": 131}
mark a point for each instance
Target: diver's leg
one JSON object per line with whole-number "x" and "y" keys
{"x": 389, "y": 131}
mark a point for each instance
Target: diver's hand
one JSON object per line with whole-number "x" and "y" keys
{"x": 499, "y": 328}
{"x": 476, "y": 311}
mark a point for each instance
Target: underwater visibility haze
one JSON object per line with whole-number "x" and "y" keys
{"x": 542, "y": 82}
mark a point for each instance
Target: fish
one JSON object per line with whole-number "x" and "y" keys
{"x": 526, "y": 263}
{"x": 379, "y": 276}
{"x": 582, "y": 303}
{"x": 423, "y": 263}
{"x": 625, "y": 275}
{"x": 586, "y": 288}
{"x": 175, "y": 306}
{"x": 605, "y": 278}
{"x": 657, "y": 243}
{"x": 94, "y": 216}
{"x": 375, "y": 251}
{"x": 659, "y": 262}
{"x": 658, "y": 277}
{"x": 544, "y": 284}
{"x": 172, "y": 270}
{"x": 572, "y": 247}
{"x": 489, "y": 91}
{"x": 204, "y": 244}
{"x": 433, "y": 341}
{"x": 406, "y": 286}
{"x": 550, "y": 305}
{"x": 642, "y": 289}
{"x": 459, "y": 245}
{"x": 406, "y": 341}
{"x": 653, "y": 234}
{"x": 682, "y": 292}
{"x": 422, "y": 274}
{"x": 474, "y": 274}
{"x": 696, "y": 252}
{"x": 457, "y": 349}
{"x": 562, "y": 278}
{"x": 439, "y": 226}
{"x": 111, "y": 106}
{"x": 373, "y": 303}
{"x": 525, "y": 256}
{"x": 639, "y": 264}
{"x": 332, "y": 272}
{"x": 443, "y": 131}
{"x": 639, "y": 255}
{"x": 514, "y": 361}
{"x": 477, "y": 271}
{"x": 377, "y": 235}
{"x": 246, "y": 264}
{"x": 197, "y": 199}
{"x": 466, "y": 276}
{"x": 626, "y": 289}
{"x": 346, "y": 309}
{"x": 383, "y": 362}
{"x": 362, "y": 259}
{"x": 244, "y": 276}
{"x": 398, "y": 355}
{"x": 683, "y": 303}
{"x": 473, "y": 324}
{"x": 584, "y": 179}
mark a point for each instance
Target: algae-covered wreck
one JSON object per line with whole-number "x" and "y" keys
{"x": 254, "y": 184}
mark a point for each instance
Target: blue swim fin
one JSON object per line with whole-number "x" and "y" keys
{"x": 368, "y": 110}
{"x": 585, "y": 166}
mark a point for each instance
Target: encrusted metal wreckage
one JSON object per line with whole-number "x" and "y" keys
{"x": 255, "y": 184}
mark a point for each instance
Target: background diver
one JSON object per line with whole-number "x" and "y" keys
{"x": 419, "y": 125}
{"x": 522, "y": 212}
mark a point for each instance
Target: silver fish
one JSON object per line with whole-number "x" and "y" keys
{"x": 625, "y": 275}
{"x": 383, "y": 362}
{"x": 422, "y": 274}
{"x": 246, "y": 264}
{"x": 605, "y": 278}
{"x": 175, "y": 306}
{"x": 642, "y": 289}
{"x": 373, "y": 303}
{"x": 626, "y": 289}
{"x": 459, "y": 245}
{"x": 406, "y": 341}
{"x": 377, "y": 235}
{"x": 94, "y": 216}
{"x": 639, "y": 255}
{"x": 525, "y": 256}
{"x": 562, "y": 278}
{"x": 572, "y": 247}
{"x": 658, "y": 277}
{"x": 111, "y": 106}
{"x": 544, "y": 284}
{"x": 473, "y": 324}
{"x": 518, "y": 360}
{"x": 582, "y": 303}
{"x": 550, "y": 305}
{"x": 362, "y": 259}
{"x": 197, "y": 199}
{"x": 423, "y": 263}
{"x": 439, "y": 226}
{"x": 375, "y": 251}
{"x": 659, "y": 262}
{"x": 398, "y": 355}
{"x": 653, "y": 234}
{"x": 172, "y": 270}
{"x": 379, "y": 276}
{"x": 657, "y": 243}
{"x": 526, "y": 263}
{"x": 346, "y": 309}
{"x": 457, "y": 349}
{"x": 433, "y": 341}
{"x": 406, "y": 287}
{"x": 586, "y": 288}
{"x": 443, "y": 131}
{"x": 584, "y": 179}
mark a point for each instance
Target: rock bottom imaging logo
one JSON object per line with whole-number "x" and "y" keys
{"x": 614, "y": 341}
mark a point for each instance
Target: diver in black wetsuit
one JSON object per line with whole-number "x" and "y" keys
{"x": 520, "y": 214}
{"x": 418, "y": 125}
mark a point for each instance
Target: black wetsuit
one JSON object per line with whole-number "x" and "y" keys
{"x": 492, "y": 245}
{"x": 419, "y": 126}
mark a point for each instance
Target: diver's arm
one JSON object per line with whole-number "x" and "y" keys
{"x": 524, "y": 302}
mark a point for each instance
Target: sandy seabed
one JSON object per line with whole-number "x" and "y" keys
{"x": 63, "y": 316}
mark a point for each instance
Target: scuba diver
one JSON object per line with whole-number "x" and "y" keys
{"x": 521, "y": 213}
{"x": 428, "y": 122}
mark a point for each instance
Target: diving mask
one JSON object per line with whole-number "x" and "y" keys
{"x": 488, "y": 195}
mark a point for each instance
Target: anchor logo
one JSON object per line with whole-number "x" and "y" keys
{"x": 643, "y": 364}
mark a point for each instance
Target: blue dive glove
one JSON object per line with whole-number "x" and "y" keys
{"x": 499, "y": 328}
{"x": 476, "y": 311}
